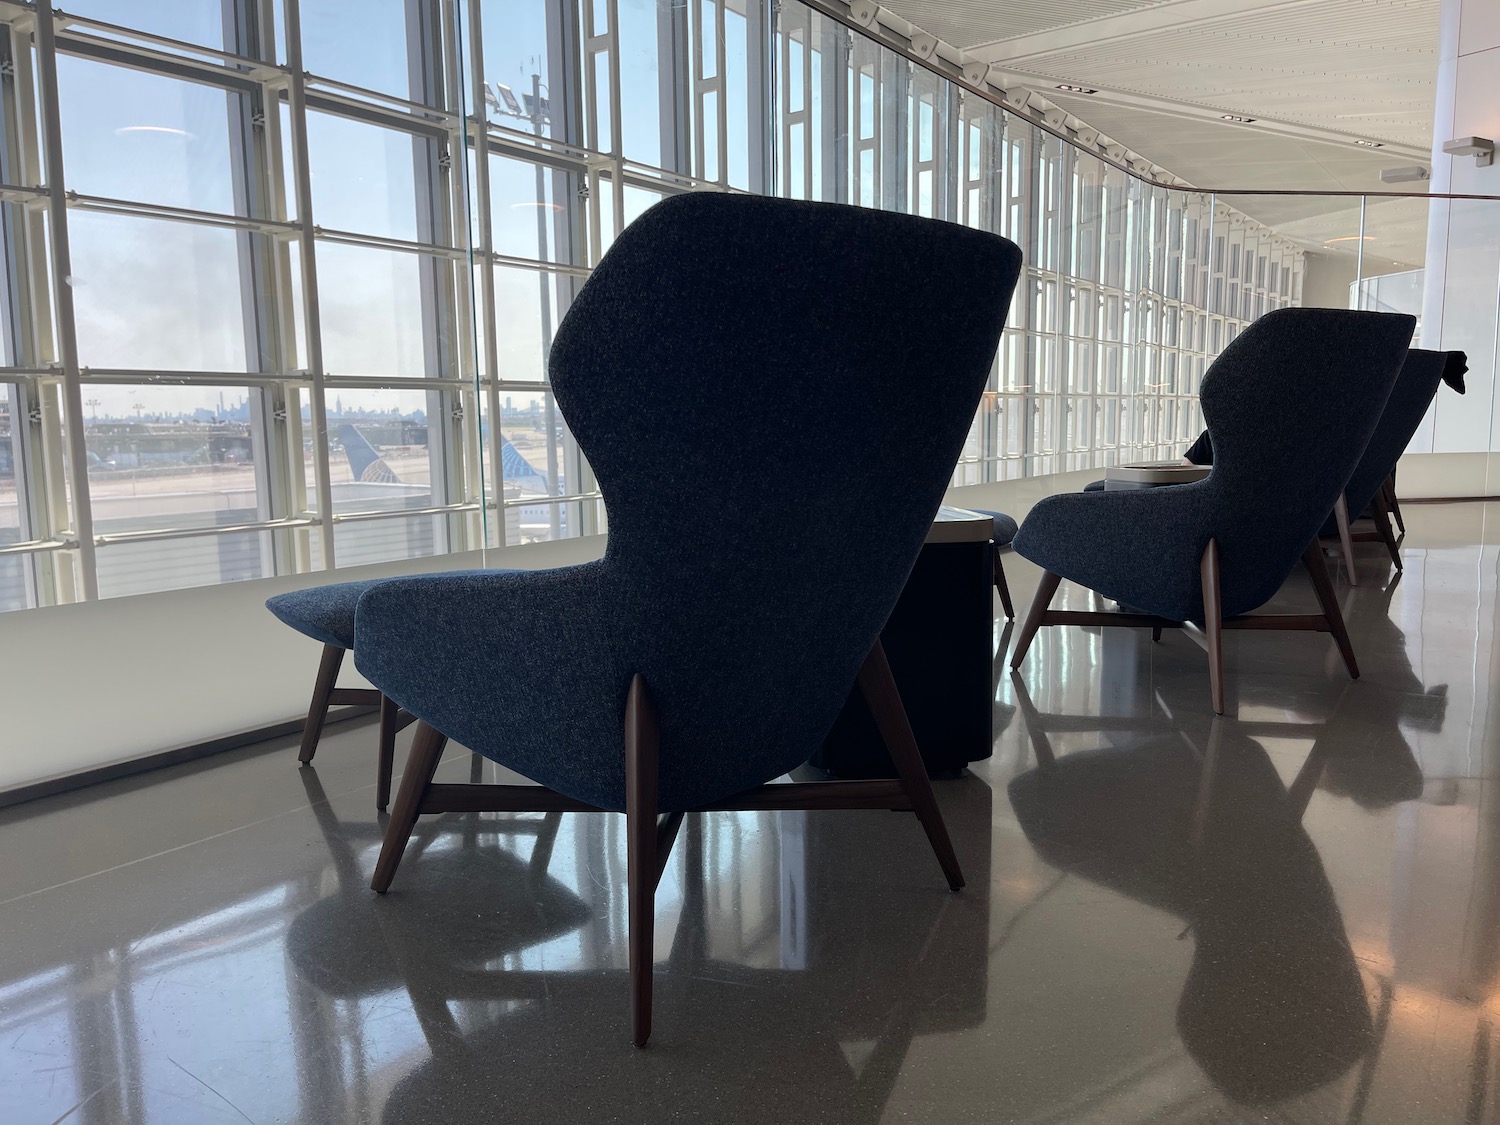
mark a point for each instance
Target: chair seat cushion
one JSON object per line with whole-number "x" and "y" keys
{"x": 324, "y": 613}
{"x": 1005, "y": 527}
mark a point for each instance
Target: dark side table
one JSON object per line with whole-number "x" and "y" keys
{"x": 939, "y": 640}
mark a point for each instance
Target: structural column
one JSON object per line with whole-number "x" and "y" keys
{"x": 1461, "y": 303}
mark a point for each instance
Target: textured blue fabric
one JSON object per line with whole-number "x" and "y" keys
{"x": 324, "y": 613}
{"x": 1005, "y": 527}
{"x": 1291, "y": 404}
{"x": 1410, "y": 398}
{"x": 721, "y": 338}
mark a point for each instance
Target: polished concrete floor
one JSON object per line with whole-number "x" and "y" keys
{"x": 1288, "y": 915}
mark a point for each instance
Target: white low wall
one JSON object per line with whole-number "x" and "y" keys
{"x": 103, "y": 682}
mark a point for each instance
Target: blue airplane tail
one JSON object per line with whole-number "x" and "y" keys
{"x": 363, "y": 460}
{"x": 515, "y": 467}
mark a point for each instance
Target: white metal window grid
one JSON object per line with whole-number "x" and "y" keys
{"x": 870, "y": 110}
{"x": 276, "y": 236}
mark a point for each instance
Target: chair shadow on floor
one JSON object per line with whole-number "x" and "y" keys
{"x": 763, "y": 1005}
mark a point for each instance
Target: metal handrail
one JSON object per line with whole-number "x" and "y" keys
{"x": 837, "y": 13}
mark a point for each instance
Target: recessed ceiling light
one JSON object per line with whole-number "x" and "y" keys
{"x": 1237, "y": 119}
{"x": 1350, "y": 238}
{"x": 1075, "y": 89}
{"x": 1369, "y": 144}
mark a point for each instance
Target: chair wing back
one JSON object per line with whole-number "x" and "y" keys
{"x": 1410, "y": 398}
{"x": 772, "y": 395}
{"x": 1291, "y": 405}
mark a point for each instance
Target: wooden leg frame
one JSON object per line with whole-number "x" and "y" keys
{"x": 1381, "y": 512}
{"x": 650, "y": 834}
{"x": 327, "y": 694}
{"x": 1329, "y": 620}
{"x": 1003, "y": 588}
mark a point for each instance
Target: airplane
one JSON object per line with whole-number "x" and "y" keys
{"x": 369, "y": 467}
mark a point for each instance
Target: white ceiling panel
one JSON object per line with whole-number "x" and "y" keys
{"x": 1314, "y": 74}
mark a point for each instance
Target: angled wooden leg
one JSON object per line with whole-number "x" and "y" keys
{"x": 1003, "y": 587}
{"x": 884, "y": 699}
{"x": 317, "y": 711}
{"x": 1389, "y": 488}
{"x": 1036, "y": 615}
{"x": 1156, "y": 632}
{"x": 1213, "y": 623}
{"x": 642, "y": 747}
{"x": 426, "y": 751}
{"x": 1382, "y": 513}
{"x": 1312, "y": 559}
{"x": 541, "y": 852}
{"x": 387, "y": 752}
{"x": 1346, "y": 541}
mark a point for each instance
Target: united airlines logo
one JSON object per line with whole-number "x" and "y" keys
{"x": 378, "y": 472}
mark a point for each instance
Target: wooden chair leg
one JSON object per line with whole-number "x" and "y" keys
{"x": 1213, "y": 623}
{"x": 642, "y": 746}
{"x": 387, "y": 752}
{"x": 1045, "y": 589}
{"x": 541, "y": 851}
{"x": 1003, "y": 587}
{"x": 884, "y": 699}
{"x": 1317, "y": 570}
{"x": 1155, "y": 633}
{"x": 1382, "y": 513}
{"x": 1346, "y": 540}
{"x": 317, "y": 710}
{"x": 426, "y": 751}
{"x": 1390, "y": 498}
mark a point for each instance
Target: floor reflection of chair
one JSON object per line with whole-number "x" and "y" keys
{"x": 813, "y": 1041}
{"x": 348, "y": 945}
{"x": 1274, "y": 1006}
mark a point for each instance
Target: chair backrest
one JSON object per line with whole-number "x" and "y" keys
{"x": 1410, "y": 398}
{"x": 1290, "y": 405}
{"x": 772, "y": 395}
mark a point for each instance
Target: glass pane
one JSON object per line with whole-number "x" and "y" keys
{"x": 154, "y": 293}
{"x": 176, "y": 564}
{"x": 386, "y": 540}
{"x": 143, "y": 137}
{"x": 521, "y": 41}
{"x": 192, "y": 21}
{"x": 528, "y": 306}
{"x": 379, "y": 312}
{"x": 529, "y": 210}
{"x": 170, "y": 457}
{"x": 10, "y": 509}
{"x": 379, "y": 453}
{"x": 364, "y": 177}
{"x": 644, "y": 116}
{"x": 364, "y": 43}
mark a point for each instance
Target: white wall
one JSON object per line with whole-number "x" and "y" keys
{"x": 1326, "y": 279}
{"x": 96, "y": 683}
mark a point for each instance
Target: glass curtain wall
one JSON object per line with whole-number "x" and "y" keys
{"x": 281, "y": 276}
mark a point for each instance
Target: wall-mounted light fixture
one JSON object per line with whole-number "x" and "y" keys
{"x": 1404, "y": 175}
{"x": 1482, "y": 149}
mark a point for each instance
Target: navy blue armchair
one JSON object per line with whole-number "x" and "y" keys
{"x": 1371, "y": 489}
{"x": 741, "y": 374}
{"x": 1290, "y": 405}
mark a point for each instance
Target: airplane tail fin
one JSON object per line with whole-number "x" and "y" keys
{"x": 515, "y": 467}
{"x": 363, "y": 460}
